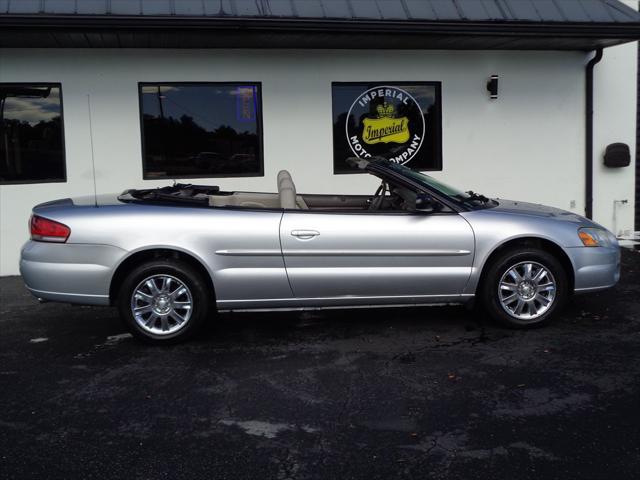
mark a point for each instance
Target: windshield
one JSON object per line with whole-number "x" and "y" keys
{"x": 470, "y": 198}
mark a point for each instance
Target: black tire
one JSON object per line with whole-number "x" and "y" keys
{"x": 201, "y": 299}
{"x": 489, "y": 290}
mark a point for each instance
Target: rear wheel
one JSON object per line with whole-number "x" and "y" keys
{"x": 164, "y": 301}
{"x": 524, "y": 288}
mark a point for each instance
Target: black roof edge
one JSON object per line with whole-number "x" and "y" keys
{"x": 630, "y": 31}
{"x": 75, "y": 31}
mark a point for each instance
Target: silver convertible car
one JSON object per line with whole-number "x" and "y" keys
{"x": 170, "y": 257}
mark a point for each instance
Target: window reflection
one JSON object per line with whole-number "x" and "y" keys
{"x": 31, "y": 140}
{"x": 201, "y": 130}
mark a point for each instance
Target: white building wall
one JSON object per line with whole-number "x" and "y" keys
{"x": 528, "y": 144}
{"x": 615, "y": 91}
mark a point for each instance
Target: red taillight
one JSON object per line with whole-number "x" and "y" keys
{"x": 45, "y": 230}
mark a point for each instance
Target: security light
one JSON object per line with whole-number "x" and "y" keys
{"x": 492, "y": 87}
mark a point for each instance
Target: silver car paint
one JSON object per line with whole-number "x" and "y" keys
{"x": 355, "y": 259}
{"x": 594, "y": 267}
{"x": 371, "y": 254}
{"x": 76, "y": 273}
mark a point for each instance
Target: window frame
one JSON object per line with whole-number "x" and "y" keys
{"x": 259, "y": 129}
{"x": 438, "y": 104}
{"x": 63, "y": 179}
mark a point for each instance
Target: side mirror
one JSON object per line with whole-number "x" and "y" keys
{"x": 426, "y": 204}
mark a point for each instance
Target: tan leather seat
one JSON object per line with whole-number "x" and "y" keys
{"x": 287, "y": 192}
{"x": 285, "y": 198}
{"x": 283, "y": 175}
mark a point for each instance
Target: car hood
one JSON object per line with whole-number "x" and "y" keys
{"x": 538, "y": 210}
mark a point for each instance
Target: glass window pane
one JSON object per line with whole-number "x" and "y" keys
{"x": 31, "y": 140}
{"x": 397, "y": 121}
{"x": 201, "y": 130}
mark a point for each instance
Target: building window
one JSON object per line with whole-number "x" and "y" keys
{"x": 399, "y": 121}
{"x": 201, "y": 130}
{"x": 31, "y": 134}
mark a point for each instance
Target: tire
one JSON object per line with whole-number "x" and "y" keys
{"x": 500, "y": 283}
{"x": 181, "y": 301}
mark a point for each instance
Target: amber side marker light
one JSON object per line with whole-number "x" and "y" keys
{"x": 45, "y": 230}
{"x": 588, "y": 240}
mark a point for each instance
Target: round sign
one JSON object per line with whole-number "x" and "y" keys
{"x": 385, "y": 121}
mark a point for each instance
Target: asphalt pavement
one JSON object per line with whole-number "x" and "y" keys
{"x": 368, "y": 393}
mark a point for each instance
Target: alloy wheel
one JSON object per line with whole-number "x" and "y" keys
{"x": 527, "y": 290}
{"x": 161, "y": 304}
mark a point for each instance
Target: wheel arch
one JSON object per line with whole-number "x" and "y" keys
{"x": 541, "y": 243}
{"x": 152, "y": 253}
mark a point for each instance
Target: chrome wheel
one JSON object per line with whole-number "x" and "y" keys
{"x": 527, "y": 290}
{"x": 161, "y": 304}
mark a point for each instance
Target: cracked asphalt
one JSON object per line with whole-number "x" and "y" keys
{"x": 381, "y": 393}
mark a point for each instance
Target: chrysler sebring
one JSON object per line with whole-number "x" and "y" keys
{"x": 170, "y": 257}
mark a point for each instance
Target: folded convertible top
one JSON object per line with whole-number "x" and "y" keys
{"x": 179, "y": 192}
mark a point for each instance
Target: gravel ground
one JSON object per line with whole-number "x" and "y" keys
{"x": 381, "y": 393}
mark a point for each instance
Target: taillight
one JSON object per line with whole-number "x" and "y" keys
{"x": 45, "y": 230}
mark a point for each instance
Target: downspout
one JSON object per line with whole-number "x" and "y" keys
{"x": 589, "y": 135}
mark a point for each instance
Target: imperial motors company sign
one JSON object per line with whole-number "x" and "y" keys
{"x": 387, "y": 121}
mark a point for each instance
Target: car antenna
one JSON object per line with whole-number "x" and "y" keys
{"x": 93, "y": 159}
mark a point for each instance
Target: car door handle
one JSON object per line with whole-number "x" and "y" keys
{"x": 304, "y": 234}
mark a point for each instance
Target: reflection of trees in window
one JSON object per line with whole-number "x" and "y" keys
{"x": 31, "y": 146}
{"x": 183, "y": 147}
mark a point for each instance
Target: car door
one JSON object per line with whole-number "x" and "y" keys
{"x": 396, "y": 256}
{"x": 242, "y": 249}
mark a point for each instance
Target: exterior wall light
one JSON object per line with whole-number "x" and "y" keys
{"x": 492, "y": 87}
{"x": 617, "y": 155}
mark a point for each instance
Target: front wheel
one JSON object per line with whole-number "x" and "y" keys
{"x": 524, "y": 289}
{"x": 164, "y": 301}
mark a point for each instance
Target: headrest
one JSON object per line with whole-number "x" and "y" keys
{"x": 284, "y": 175}
{"x": 286, "y": 184}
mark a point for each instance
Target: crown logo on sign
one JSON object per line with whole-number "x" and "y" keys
{"x": 385, "y": 110}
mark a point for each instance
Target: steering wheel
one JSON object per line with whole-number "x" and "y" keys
{"x": 378, "y": 196}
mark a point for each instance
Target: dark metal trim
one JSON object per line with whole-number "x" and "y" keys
{"x": 637, "y": 157}
{"x": 589, "y": 134}
{"x": 143, "y": 31}
{"x": 456, "y": 28}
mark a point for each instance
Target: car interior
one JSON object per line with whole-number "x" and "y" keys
{"x": 388, "y": 197}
